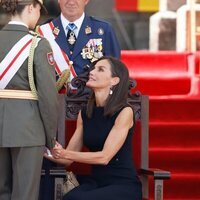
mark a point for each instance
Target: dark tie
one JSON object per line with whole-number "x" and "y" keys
{"x": 71, "y": 38}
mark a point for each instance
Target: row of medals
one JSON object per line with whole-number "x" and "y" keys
{"x": 72, "y": 40}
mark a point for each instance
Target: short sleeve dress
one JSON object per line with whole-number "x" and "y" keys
{"x": 116, "y": 181}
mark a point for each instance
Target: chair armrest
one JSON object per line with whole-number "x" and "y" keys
{"x": 156, "y": 173}
{"x": 159, "y": 176}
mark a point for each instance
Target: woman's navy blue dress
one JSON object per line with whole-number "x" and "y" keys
{"x": 117, "y": 180}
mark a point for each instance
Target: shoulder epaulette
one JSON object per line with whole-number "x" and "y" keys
{"x": 35, "y": 34}
{"x": 37, "y": 29}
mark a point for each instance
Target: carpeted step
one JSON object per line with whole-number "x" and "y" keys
{"x": 163, "y": 86}
{"x": 183, "y": 187}
{"x": 159, "y": 63}
{"x": 180, "y": 187}
{"x": 179, "y": 160}
{"x": 176, "y": 109}
{"x": 174, "y": 137}
{"x": 160, "y": 73}
{"x": 174, "y": 134}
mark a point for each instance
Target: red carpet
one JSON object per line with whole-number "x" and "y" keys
{"x": 172, "y": 81}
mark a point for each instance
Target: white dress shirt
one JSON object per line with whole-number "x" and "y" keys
{"x": 77, "y": 22}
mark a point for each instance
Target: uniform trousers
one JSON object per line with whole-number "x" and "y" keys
{"x": 20, "y": 172}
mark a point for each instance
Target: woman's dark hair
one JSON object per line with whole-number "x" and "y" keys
{"x": 120, "y": 91}
{"x": 15, "y": 6}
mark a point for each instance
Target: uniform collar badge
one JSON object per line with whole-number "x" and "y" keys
{"x": 56, "y": 31}
{"x": 100, "y": 31}
{"x": 88, "y": 30}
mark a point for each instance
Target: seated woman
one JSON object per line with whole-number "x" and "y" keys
{"x": 106, "y": 128}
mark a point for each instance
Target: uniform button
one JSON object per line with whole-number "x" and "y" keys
{"x": 70, "y": 62}
{"x": 117, "y": 159}
{"x": 71, "y": 52}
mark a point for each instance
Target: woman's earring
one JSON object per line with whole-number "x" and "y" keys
{"x": 111, "y": 92}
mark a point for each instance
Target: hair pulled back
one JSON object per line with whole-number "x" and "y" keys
{"x": 9, "y": 5}
{"x": 15, "y": 6}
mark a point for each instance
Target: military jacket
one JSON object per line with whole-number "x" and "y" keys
{"x": 25, "y": 122}
{"x": 95, "y": 39}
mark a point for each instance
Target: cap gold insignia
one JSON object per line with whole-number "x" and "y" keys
{"x": 88, "y": 30}
{"x": 41, "y": 1}
{"x": 100, "y": 31}
{"x": 56, "y": 31}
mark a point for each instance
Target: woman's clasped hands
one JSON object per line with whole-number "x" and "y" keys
{"x": 58, "y": 151}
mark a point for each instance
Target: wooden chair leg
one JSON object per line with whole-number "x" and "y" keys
{"x": 158, "y": 189}
{"x": 58, "y": 192}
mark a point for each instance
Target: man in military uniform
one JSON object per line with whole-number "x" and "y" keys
{"x": 77, "y": 40}
{"x": 90, "y": 38}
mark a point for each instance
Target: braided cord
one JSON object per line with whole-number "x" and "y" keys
{"x": 30, "y": 67}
